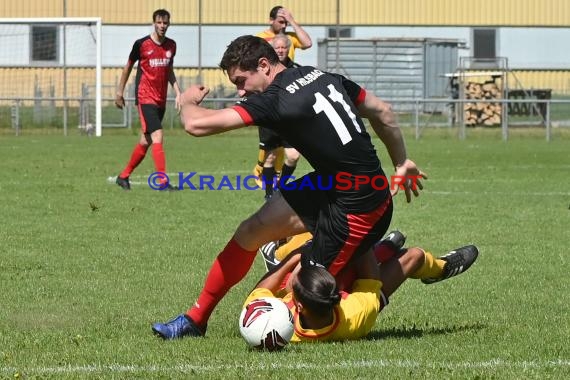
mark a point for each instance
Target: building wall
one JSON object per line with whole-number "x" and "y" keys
{"x": 24, "y": 82}
{"x": 525, "y": 48}
{"x": 530, "y": 32}
{"x": 556, "y": 80}
{"x": 551, "y": 13}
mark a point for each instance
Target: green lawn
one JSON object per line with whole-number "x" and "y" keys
{"x": 86, "y": 268}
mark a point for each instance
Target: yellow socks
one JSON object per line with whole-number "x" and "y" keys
{"x": 294, "y": 243}
{"x": 431, "y": 268}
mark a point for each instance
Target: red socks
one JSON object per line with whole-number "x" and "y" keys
{"x": 139, "y": 154}
{"x": 158, "y": 157}
{"x": 136, "y": 158}
{"x": 231, "y": 265}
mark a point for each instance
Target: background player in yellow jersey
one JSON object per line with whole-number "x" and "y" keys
{"x": 279, "y": 19}
{"x": 325, "y": 309}
{"x": 277, "y": 157}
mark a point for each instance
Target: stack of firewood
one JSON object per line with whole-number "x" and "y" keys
{"x": 478, "y": 112}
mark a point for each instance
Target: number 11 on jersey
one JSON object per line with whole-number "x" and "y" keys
{"x": 324, "y": 105}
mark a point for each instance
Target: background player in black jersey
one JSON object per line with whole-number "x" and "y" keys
{"x": 270, "y": 142}
{"x": 155, "y": 54}
{"x": 319, "y": 114}
{"x": 276, "y": 155}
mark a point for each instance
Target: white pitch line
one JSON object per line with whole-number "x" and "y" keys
{"x": 198, "y": 173}
{"x": 507, "y": 193}
{"x": 138, "y": 180}
{"x": 134, "y": 182}
{"x": 371, "y": 364}
{"x": 434, "y": 192}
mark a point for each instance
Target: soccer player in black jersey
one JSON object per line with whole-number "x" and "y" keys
{"x": 271, "y": 145}
{"x": 341, "y": 202}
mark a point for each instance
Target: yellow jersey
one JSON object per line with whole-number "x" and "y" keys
{"x": 354, "y": 317}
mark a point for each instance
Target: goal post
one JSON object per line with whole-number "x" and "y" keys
{"x": 45, "y": 64}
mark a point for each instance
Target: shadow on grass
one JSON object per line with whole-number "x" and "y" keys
{"x": 417, "y": 332}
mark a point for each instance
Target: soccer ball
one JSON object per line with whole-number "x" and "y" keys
{"x": 266, "y": 323}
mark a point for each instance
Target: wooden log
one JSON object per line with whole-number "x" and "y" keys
{"x": 489, "y": 87}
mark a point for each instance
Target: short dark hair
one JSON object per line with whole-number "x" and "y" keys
{"x": 160, "y": 13}
{"x": 273, "y": 12}
{"x": 316, "y": 289}
{"x": 245, "y": 52}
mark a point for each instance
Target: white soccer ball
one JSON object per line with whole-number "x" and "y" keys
{"x": 266, "y": 323}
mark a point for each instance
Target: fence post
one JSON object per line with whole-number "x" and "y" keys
{"x": 462, "y": 120}
{"x": 417, "y": 118}
{"x": 548, "y": 126}
{"x": 16, "y": 116}
{"x": 505, "y": 119}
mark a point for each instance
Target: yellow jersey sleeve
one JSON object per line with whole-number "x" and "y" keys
{"x": 258, "y": 293}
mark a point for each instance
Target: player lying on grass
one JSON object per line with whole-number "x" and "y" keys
{"x": 327, "y": 310}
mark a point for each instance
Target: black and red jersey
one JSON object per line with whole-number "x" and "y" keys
{"x": 155, "y": 62}
{"x": 315, "y": 112}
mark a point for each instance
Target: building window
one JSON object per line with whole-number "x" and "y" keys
{"x": 343, "y": 32}
{"x": 44, "y": 43}
{"x": 485, "y": 46}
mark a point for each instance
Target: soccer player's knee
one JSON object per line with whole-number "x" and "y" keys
{"x": 251, "y": 229}
{"x": 247, "y": 227}
{"x": 416, "y": 256}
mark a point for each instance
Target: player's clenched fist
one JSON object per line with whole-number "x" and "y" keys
{"x": 194, "y": 94}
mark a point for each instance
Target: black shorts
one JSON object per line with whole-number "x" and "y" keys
{"x": 338, "y": 235}
{"x": 151, "y": 117}
{"x": 269, "y": 139}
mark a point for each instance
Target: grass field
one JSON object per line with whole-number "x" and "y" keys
{"x": 86, "y": 268}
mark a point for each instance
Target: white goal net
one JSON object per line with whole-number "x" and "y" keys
{"x": 50, "y": 73}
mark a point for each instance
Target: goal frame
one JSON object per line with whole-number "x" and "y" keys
{"x": 98, "y": 62}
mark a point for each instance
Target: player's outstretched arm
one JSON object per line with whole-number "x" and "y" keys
{"x": 273, "y": 279}
{"x": 383, "y": 121}
{"x": 201, "y": 121}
